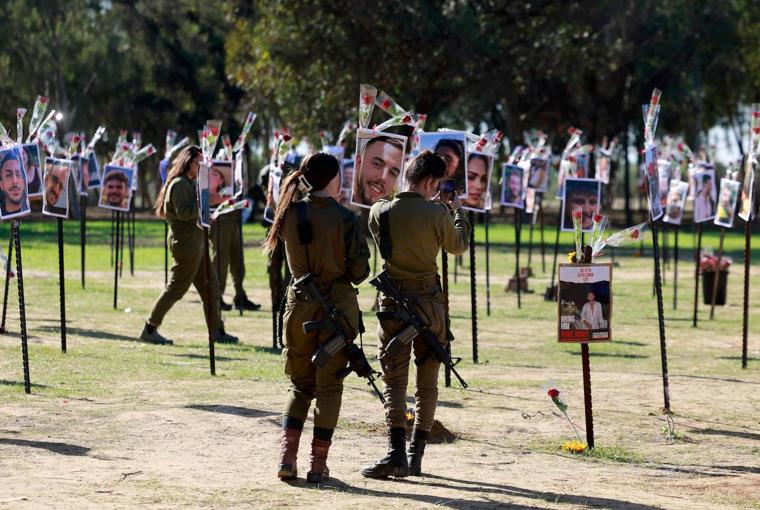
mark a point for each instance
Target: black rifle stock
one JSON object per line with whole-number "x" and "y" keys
{"x": 339, "y": 338}
{"x": 405, "y": 313}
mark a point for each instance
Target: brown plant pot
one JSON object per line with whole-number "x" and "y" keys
{"x": 708, "y": 279}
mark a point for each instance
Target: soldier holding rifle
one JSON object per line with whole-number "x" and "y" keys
{"x": 410, "y": 230}
{"x": 324, "y": 243}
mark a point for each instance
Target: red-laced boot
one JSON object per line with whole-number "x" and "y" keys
{"x": 288, "y": 454}
{"x": 318, "y": 470}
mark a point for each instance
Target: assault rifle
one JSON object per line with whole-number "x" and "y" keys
{"x": 415, "y": 326}
{"x": 339, "y": 338}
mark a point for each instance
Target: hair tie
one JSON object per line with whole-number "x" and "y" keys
{"x": 303, "y": 184}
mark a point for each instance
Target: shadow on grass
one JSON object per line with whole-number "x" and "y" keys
{"x": 636, "y": 344}
{"x": 730, "y": 433}
{"x": 205, "y": 357}
{"x": 612, "y": 355}
{"x": 483, "y": 489}
{"x": 5, "y": 382}
{"x": 60, "y": 448}
{"x": 234, "y": 410}
{"x": 88, "y": 333}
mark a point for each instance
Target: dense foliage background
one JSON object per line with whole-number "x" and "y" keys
{"x": 149, "y": 65}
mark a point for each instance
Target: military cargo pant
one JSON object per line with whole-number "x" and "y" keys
{"x": 188, "y": 268}
{"x": 226, "y": 241}
{"x": 396, "y": 370}
{"x": 307, "y": 381}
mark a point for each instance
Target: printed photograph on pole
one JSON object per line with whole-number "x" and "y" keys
{"x": 746, "y": 200}
{"x": 346, "y": 178}
{"x": 651, "y": 176}
{"x": 479, "y": 167}
{"x": 378, "y": 167}
{"x": 585, "y": 303}
{"x": 603, "y": 165}
{"x": 727, "y": 199}
{"x": 583, "y": 194}
{"x": 204, "y": 198}
{"x": 116, "y": 191}
{"x": 705, "y": 196}
{"x": 450, "y": 145}
{"x": 664, "y": 174}
{"x": 677, "y": 192}
{"x": 56, "y": 187}
{"x": 240, "y": 175}
{"x": 538, "y": 175}
{"x": 511, "y": 186}
{"x": 30, "y": 155}
{"x": 93, "y": 171}
{"x": 220, "y": 182}
{"x": 14, "y": 198}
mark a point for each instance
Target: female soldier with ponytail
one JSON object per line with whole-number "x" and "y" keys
{"x": 337, "y": 256}
{"x": 177, "y": 203}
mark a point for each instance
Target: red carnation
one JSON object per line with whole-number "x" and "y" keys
{"x": 231, "y": 201}
{"x": 367, "y": 99}
{"x": 553, "y": 392}
{"x": 286, "y": 137}
{"x": 43, "y": 100}
{"x": 406, "y": 119}
{"x": 578, "y": 214}
{"x": 215, "y": 131}
{"x": 597, "y": 218}
{"x": 386, "y": 104}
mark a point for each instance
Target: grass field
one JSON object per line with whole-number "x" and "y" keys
{"x": 119, "y": 423}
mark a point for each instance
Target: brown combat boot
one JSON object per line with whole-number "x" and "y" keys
{"x": 318, "y": 470}
{"x": 288, "y": 454}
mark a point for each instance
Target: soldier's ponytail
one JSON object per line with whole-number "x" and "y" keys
{"x": 315, "y": 173}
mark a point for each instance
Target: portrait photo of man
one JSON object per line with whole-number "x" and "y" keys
{"x": 585, "y": 302}
{"x": 14, "y": 200}
{"x": 220, "y": 182}
{"x": 511, "y": 186}
{"x": 56, "y": 187}
{"x": 705, "y": 196}
{"x": 378, "y": 167}
{"x": 727, "y": 199}
{"x": 676, "y": 200}
{"x": 583, "y": 194}
{"x": 116, "y": 190}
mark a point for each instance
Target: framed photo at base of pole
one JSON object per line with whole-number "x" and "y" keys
{"x": 585, "y": 303}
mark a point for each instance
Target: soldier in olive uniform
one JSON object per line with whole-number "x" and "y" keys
{"x": 177, "y": 203}
{"x": 337, "y": 257}
{"x": 416, "y": 229}
{"x": 225, "y": 239}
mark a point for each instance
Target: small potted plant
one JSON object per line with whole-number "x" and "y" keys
{"x": 708, "y": 266}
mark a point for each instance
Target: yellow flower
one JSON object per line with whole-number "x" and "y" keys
{"x": 409, "y": 416}
{"x": 574, "y": 446}
{"x": 570, "y": 256}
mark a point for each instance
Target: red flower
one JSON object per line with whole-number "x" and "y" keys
{"x": 635, "y": 233}
{"x": 367, "y": 99}
{"x": 286, "y": 137}
{"x": 246, "y": 204}
{"x": 406, "y": 119}
{"x": 385, "y": 104}
{"x": 577, "y": 214}
{"x": 215, "y": 131}
{"x": 553, "y": 392}
{"x": 43, "y": 100}
{"x": 756, "y": 114}
{"x": 231, "y": 201}
{"x": 597, "y": 218}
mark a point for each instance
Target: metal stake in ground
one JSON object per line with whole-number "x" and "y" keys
{"x": 473, "y": 291}
{"x": 7, "y": 280}
{"x": 675, "y": 269}
{"x": 131, "y": 231}
{"x": 587, "y": 395}
{"x": 210, "y": 319}
{"x": 21, "y": 305}
{"x": 61, "y": 284}
{"x": 551, "y": 292}
{"x": 116, "y": 261}
{"x": 445, "y": 288}
{"x": 121, "y": 220}
{"x": 745, "y": 319}
{"x": 241, "y": 254}
{"x": 697, "y": 256}
{"x": 541, "y": 225}
{"x": 82, "y": 233}
{"x": 517, "y": 255}
{"x": 530, "y": 240}
{"x": 717, "y": 273}
{"x": 113, "y": 234}
{"x": 488, "y": 264}
{"x": 660, "y": 318}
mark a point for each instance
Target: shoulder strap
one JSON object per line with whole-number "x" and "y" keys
{"x": 386, "y": 243}
{"x": 304, "y": 226}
